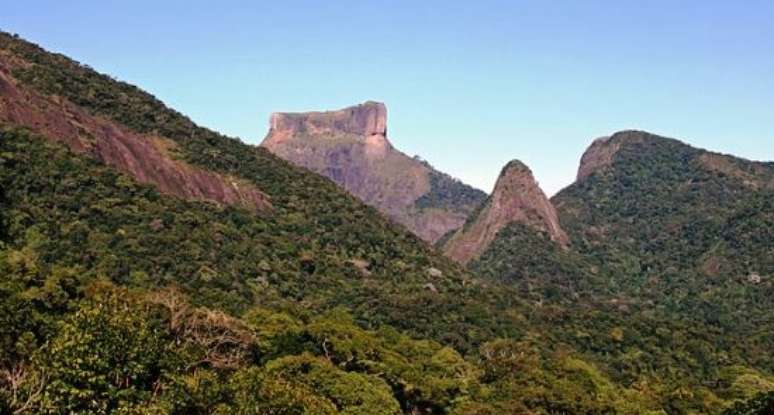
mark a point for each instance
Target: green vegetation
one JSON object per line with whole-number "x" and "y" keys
{"x": 670, "y": 230}
{"x": 664, "y": 203}
{"x": 121, "y": 351}
{"x": 762, "y": 404}
{"x": 115, "y": 298}
{"x": 75, "y": 212}
{"x": 75, "y": 340}
{"x": 447, "y": 192}
{"x": 671, "y": 253}
{"x": 521, "y": 252}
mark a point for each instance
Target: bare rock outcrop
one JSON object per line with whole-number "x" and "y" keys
{"x": 143, "y": 157}
{"x": 751, "y": 174}
{"x": 350, "y": 146}
{"x": 601, "y": 152}
{"x": 367, "y": 119}
{"x": 516, "y": 198}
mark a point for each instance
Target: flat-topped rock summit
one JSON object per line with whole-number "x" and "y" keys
{"x": 350, "y": 147}
{"x": 368, "y": 118}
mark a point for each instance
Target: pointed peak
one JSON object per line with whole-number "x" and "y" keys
{"x": 516, "y": 198}
{"x": 515, "y": 177}
{"x": 515, "y": 166}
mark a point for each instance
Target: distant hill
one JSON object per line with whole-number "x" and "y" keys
{"x": 350, "y": 147}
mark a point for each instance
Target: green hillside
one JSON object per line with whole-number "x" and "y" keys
{"x": 674, "y": 207}
{"x": 688, "y": 231}
{"x": 675, "y": 245}
{"x": 116, "y": 298}
{"x": 311, "y": 246}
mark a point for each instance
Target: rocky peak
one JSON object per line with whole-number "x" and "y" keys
{"x": 516, "y": 198}
{"x": 514, "y": 168}
{"x": 602, "y": 150}
{"x": 366, "y": 119}
{"x": 350, "y": 147}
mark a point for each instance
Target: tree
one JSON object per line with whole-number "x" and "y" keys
{"x": 309, "y": 385}
{"x": 108, "y": 355}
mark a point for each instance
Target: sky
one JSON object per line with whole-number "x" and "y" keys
{"x": 469, "y": 85}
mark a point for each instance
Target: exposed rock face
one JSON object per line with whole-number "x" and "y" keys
{"x": 143, "y": 157}
{"x": 600, "y": 153}
{"x": 516, "y": 198}
{"x": 350, "y": 147}
{"x": 751, "y": 174}
{"x": 367, "y": 119}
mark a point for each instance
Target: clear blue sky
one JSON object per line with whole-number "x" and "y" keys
{"x": 469, "y": 85}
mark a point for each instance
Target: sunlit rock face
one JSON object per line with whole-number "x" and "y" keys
{"x": 144, "y": 157}
{"x": 516, "y": 198}
{"x": 350, "y": 147}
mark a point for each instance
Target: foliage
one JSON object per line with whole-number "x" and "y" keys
{"x": 105, "y": 357}
{"x": 449, "y": 193}
{"x": 303, "y": 249}
{"x": 307, "y": 384}
{"x": 520, "y": 253}
{"x": 659, "y": 270}
{"x": 761, "y": 404}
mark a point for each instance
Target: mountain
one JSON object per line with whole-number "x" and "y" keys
{"x": 679, "y": 231}
{"x": 150, "y": 265}
{"x": 221, "y": 214}
{"x": 654, "y": 224}
{"x": 350, "y": 147}
{"x": 145, "y": 156}
{"x": 654, "y": 206}
{"x": 672, "y": 230}
{"x": 661, "y": 234}
{"x": 661, "y": 219}
{"x": 516, "y": 198}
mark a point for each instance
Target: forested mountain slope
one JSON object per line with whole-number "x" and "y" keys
{"x": 674, "y": 223}
{"x": 658, "y": 231}
{"x": 121, "y": 295}
{"x": 308, "y": 232}
{"x": 655, "y": 221}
